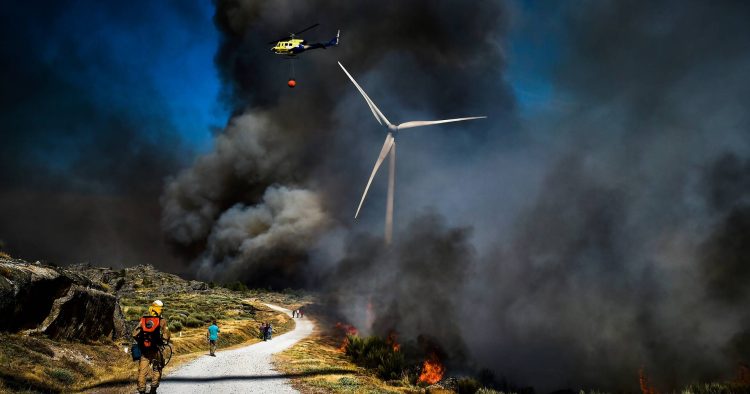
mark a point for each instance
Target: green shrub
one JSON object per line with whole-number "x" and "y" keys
{"x": 236, "y": 286}
{"x": 134, "y": 313}
{"x": 391, "y": 365}
{"x": 377, "y": 354}
{"x": 348, "y": 381}
{"x": 62, "y": 375}
{"x": 468, "y": 385}
{"x": 204, "y": 317}
{"x": 192, "y": 322}
{"x": 175, "y": 326}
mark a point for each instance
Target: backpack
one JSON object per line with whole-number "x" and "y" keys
{"x": 150, "y": 332}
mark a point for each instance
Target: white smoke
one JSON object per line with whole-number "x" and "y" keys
{"x": 193, "y": 200}
{"x": 243, "y": 237}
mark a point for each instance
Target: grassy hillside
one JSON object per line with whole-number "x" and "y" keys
{"x": 35, "y": 363}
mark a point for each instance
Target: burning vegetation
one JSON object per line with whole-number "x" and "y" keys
{"x": 345, "y": 330}
{"x": 646, "y": 388}
{"x": 432, "y": 370}
{"x": 392, "y": 340}
{"x": 389, "y": 359}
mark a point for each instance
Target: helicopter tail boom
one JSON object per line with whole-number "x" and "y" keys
{"x": 323, "y": 45}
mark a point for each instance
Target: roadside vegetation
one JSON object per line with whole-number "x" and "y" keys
{"x": 239, "y": 314}
{"x": 323, "y": 368}
{"x": 34, "y": 363}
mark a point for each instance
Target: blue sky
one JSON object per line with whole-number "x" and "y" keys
{"x": 149, "y": 57}
{"x": 534, "y": 46}
{"x": 155, "y": 59}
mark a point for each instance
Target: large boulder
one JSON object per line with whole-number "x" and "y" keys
{"x": 63, "y": 304}
{"x": 84, "y": 313}
{"x": 198, "y": 286}
{"x": 27, "y": 292}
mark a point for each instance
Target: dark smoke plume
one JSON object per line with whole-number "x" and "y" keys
{"x": 313, "y": 139}
{"x": 412, "y": 287}
{"x": 85, "y": 143}
{"x": 608, "y": 231}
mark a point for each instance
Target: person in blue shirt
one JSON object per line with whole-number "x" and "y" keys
{"x": 213, "y": 335}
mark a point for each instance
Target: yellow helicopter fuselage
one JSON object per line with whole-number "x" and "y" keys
{"x": 289, "y": 47}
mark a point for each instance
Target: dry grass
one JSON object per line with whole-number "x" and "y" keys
{"x": 319, "y": 356}
{"x": 38, "y": 364}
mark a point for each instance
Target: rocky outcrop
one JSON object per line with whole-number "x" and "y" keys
{"x": 84, "y": 313}
{"x": 198, "y": 286}
{"x": 55, "y": 301}
{"x": 144, "y": 279}
{"x": 27, "y": 292}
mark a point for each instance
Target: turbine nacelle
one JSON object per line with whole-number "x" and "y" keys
{"x": 389, "y": 149}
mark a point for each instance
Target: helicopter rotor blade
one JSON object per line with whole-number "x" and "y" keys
{"x": 291, "y": 35}
{"x": 304, "y": 30}
{"x": 279, "y": 39}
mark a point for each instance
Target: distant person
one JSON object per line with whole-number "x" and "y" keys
{"x": 212, "y": 335}
{"x": 264, "y": 331}
{"x": 151, "y": 334}
{"x": 299, "y": 312}
{"x": 269, "y": 331}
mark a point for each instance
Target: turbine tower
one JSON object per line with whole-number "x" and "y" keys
{"x": 389, "y": 148}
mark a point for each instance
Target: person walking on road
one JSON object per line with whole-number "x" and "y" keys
{"x": 151, "y": 334}
{"x": 213, "y": 336}
{"x": 269, "y": 331}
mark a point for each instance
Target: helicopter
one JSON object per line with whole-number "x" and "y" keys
{"x": 292, "y": 46}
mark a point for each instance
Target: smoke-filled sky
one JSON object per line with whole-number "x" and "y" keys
{"x": 101, "y": 101}
{"x": 596, "y": 223}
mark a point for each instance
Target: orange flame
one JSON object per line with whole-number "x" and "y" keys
{"x": 645, "y": 387}
{"x": 432, "y": 370}
{"x": 743, "y": 374}
{"x": 345, "y": 330}
{"x": 392, "y": 340}
{"x": 344, "y": 344}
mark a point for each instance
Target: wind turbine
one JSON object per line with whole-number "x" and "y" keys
{"x": 389, "y": 147}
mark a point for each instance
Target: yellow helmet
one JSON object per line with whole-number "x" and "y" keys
{"x": 155, "y": 308}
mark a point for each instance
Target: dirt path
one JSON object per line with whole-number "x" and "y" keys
{"x": 244, "y": 370}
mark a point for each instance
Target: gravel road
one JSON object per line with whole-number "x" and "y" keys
{"x": 243, "y": 370}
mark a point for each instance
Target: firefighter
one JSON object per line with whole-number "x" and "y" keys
{"x": 151, "y": 334}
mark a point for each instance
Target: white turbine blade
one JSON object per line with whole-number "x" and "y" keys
{"x": 383, "y": 152}
{"x": 374, "y": 108}
{"x": 419, "y": 123}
